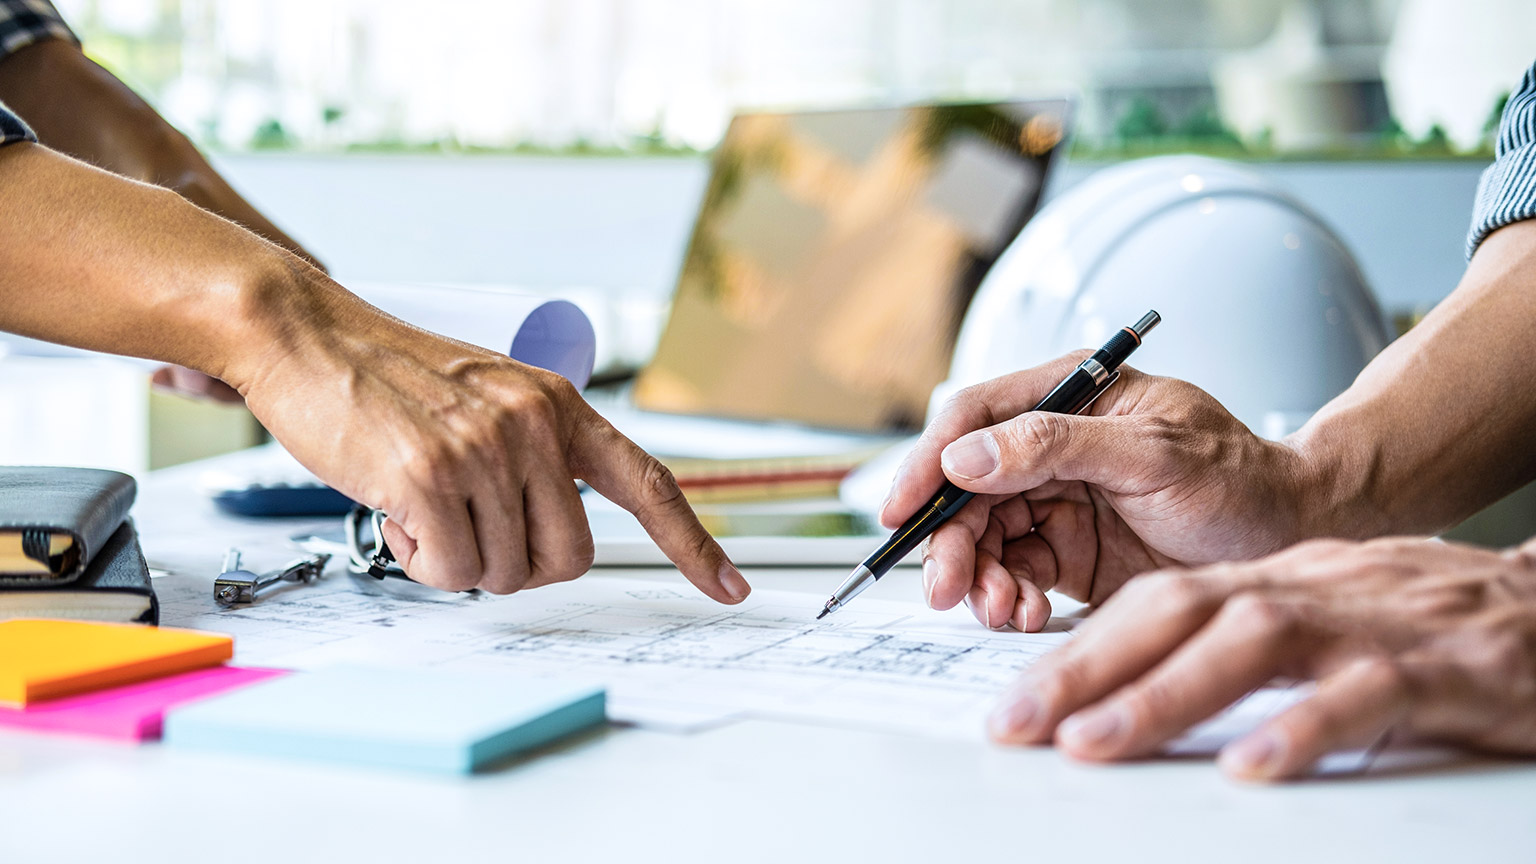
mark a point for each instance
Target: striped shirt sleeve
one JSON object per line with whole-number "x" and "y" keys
{"x": 1507, "y": 191}
{"x": 23, "y": 22}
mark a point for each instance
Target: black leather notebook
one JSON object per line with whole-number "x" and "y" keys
{"x": 114, "y": 587}
{"x": 54, "y": 520}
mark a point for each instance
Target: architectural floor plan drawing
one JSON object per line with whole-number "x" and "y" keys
{"x": 667, "y": 655}
{"x": 871, "y": 665}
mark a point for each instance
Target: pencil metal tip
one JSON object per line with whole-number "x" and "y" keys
{"x": 823, "y": 613}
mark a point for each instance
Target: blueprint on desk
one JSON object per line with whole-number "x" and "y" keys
{"x": 667, "y": 655}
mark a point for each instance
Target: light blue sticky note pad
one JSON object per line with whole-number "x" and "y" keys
{"x": 401, "y": 718}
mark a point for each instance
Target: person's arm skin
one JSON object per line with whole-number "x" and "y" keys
{"x": 471, "y": 453}
{"x": 80, "y": 109}
{"x": 1405, "y": 638}
{"x": 1436, "y": 427}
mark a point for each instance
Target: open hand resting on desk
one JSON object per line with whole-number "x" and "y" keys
{"x": 1420, "y": 639}
{"x": 1157, "y": 473}
{"x": 471, "y": 453}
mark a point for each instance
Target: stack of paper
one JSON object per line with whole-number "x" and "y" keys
{"x": 133, "y": 683}
{"x": 108, "y": 680}
{"x": 42, "y": 659}
{"x": 135, "y": 712}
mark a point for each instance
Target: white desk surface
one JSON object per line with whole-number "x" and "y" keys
{"x": 750, "y": 791}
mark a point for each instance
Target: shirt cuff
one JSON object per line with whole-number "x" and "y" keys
{"x": 1506, "y": 193}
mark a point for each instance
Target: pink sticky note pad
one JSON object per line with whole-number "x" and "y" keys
{"x": 132, "y": 713}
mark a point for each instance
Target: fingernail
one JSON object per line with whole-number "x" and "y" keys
{"x": 1014, "y": 716}
{"x": 975, "y": 455}
{"x": 1095, "y": 729}
{"x": 1255, "y": 755}
{"x": 735, "y": 584}
{"x": 930, "y": 577}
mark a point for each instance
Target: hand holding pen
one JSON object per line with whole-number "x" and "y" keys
{"x": 1085, "y": 383}
{"x": 1145, "y": 479}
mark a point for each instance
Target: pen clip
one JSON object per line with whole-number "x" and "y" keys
{"x": 1096, "y": 392}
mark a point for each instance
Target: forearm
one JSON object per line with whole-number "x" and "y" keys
{"x": 90, "y": 259}
{"x": 78, "y": 108}
{"x": 1439, "y": 425}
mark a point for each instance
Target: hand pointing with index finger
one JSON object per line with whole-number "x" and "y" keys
{"x": 473, "y": 456}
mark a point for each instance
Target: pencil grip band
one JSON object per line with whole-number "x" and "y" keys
{"x": 1117, "y": 349}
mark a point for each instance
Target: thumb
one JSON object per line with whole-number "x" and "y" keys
{"x": 1036, "y": 448}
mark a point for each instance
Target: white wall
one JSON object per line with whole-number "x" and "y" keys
{"x": 93, "y": 413}
{"x": 622, "y": 224}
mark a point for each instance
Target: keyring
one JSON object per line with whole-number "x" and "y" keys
{"x": 366, "y": 554}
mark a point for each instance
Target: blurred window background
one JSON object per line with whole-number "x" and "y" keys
{"x": 1258, "y": 78}
{"x": 492, "y": 142}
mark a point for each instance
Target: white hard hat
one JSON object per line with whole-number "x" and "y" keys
{"x": 1262, "y": 305}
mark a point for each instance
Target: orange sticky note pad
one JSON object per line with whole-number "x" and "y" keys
{"x": 47, "y": 659}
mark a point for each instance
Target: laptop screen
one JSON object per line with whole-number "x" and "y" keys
{"x": 835, "y": 254}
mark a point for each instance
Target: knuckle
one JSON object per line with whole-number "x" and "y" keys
{"x": 1167, "y": 588}
{"x": 1260, "y": 615}
{"x": 1174, "y": 439}
{"x": 561, "y": 391}
{"x": 570, "y": 564}
{"x": 1035, "y": 432}
{"x": 659, "y": 485}
{"x": 966, "y": 410}
{"x": 968, "y": 399}
{"x": 499, "y": 587}
{"x": 1507, "y": 654}
{"x": 1386, "y": 672}
{"x": 426, "y": 462}
{"x": 1522, "y": 557}
{"x": 505, "y": 578}
{"x": 532, "y": 409}
{"x": 1168, "y": 441}
{"x": 701, "y": 546}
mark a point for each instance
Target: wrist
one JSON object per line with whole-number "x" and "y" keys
{"x": 287, "y": 315}
{"x": 1335, "y": 478}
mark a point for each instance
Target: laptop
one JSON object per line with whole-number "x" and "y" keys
{"x": 831, "y": 263}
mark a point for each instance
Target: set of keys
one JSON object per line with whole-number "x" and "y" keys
{"x": 235, "y": 585}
